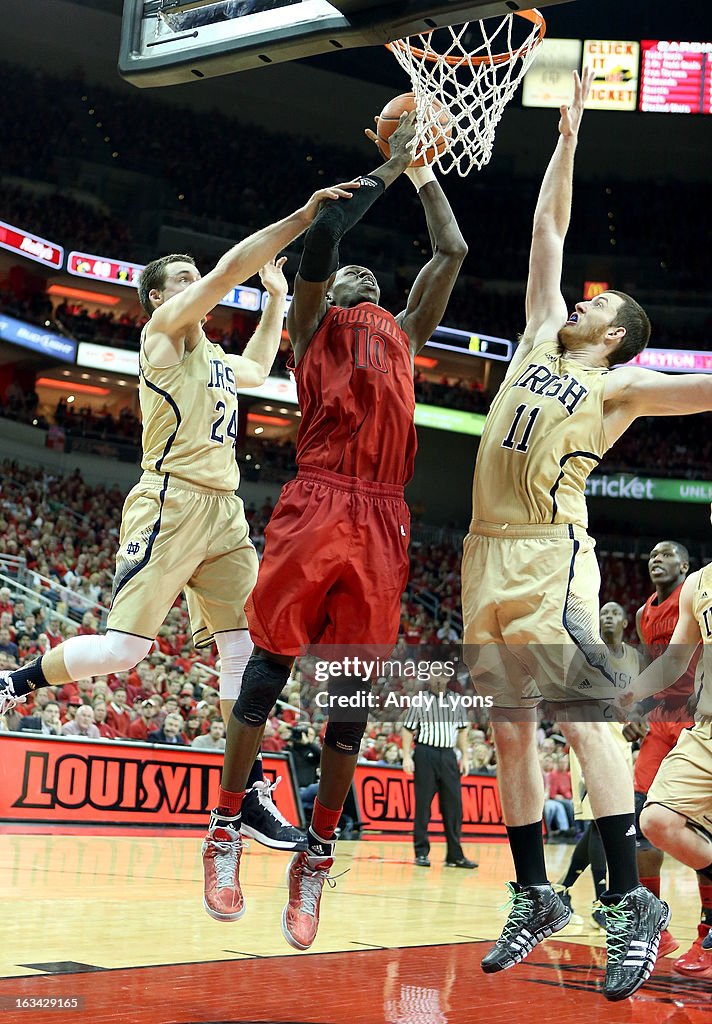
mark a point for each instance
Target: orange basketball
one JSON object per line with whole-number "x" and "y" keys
{"x": 388, "y": 122}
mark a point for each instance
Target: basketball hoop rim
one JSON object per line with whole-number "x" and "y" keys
{"x": 535, "y": 16}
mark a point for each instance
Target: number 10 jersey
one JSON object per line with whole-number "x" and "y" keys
{"x": 542, "y": 438}
{"x": 357, "y": 398}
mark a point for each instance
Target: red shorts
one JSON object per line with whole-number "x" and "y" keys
{"x": 335, "y": 565}
{"x": 659, "y": 741}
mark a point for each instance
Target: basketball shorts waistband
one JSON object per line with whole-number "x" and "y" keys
{"x": 176, "y": 483}
{"x": 350, "y": 484}
{"x": 523, "y": 531}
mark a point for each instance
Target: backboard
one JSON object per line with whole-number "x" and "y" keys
{"x": 165, "y": 42}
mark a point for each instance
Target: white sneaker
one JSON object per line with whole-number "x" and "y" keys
{"x": 8, "y": 698}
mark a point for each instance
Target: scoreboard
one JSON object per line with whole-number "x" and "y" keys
{"x": 676, "y": 77}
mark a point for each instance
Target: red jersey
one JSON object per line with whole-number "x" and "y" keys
{"x": 657, "y": 624}
{"x": 356, "y": 395}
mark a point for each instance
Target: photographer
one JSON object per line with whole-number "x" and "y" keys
{"x": 306, "y": 753}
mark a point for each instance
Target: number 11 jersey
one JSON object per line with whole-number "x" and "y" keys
{"x": 542, "y": 438}
{"x": 357, "y": 399}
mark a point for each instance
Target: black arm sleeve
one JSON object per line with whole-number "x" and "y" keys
{"x": 320, "y": 257}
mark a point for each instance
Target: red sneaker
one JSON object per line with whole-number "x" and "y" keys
{"x": 668, "y": 944}
{"x": 697, "y": 961}
{"x": 300, "y": 917}
{"x": 222, "y": 895}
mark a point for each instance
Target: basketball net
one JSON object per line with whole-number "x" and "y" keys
{"x": 472, "y": 72}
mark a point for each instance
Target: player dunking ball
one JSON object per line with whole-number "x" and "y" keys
{"x": 183, "y": 526}
{"x": 336, "y": 554}
{"x": 677, "y": 816}
{"x": 530, "y": 579}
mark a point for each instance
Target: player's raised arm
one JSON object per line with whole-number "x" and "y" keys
{"x": 545, "y": 306}
{"x": 253, "y": 366}
{"x": 320, "y": 258}
{"x": 174, "y": 316}
{"x": 433, "y": 286}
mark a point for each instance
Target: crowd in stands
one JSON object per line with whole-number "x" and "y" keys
{"x": 57, "y": 538}
{"x": 59, "y": 121}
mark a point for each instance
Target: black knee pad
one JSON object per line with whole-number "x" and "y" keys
{"x": 262, "y": 684}
{"x": 347, "y": 721}
{"x": 345, "y": 737}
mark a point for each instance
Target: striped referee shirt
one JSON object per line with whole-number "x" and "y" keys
{"x": 437, "y": 722}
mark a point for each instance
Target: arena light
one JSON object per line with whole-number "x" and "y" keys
{"x": 272, "y": 421}
{"x": 69, "y": 385}
{"x": 426, "y": 362}
{"x": 65, "y": 292}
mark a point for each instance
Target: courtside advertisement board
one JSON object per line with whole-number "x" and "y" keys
{"x": 95, "y": 782}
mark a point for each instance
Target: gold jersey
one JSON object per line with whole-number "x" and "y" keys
{"x": 189, "y": 413}
{"x": 625, "y": 666}
{"x": 702, "y": 610}
{"x": 543, "y": 436}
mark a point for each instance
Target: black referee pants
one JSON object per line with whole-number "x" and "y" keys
{"x": 436, "y": 771}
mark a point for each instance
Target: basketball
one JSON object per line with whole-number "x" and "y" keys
{"x": 440, "y": 128}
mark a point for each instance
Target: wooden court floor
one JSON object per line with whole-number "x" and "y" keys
{"x": 116, "y": 923}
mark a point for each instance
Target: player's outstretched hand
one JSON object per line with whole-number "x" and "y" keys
{"x": 344, "y": 190}
{"x": 571, "y": 116}
{"x": 272, "y": 277}
{"x": 403, "y": 138}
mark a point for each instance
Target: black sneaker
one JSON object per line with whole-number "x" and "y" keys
{"x": 8, "y": 698}
{"x": 564, "y": 895}
{"x": 422, "y": 861}
{"x": 463, "y": 862}
{"x": 598, "y": 916}
{"x": 537, "y": 912}
{"x": 633, "y": 926}
{"x": 263, "y": 821}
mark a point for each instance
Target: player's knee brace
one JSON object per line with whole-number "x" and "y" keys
{"x": 262, "y": 684}
{"x": 347, "y": 724}
{"x": 94, "y": 655}
{"x": 345, "y": 737}
{"x": 234, "y": 648}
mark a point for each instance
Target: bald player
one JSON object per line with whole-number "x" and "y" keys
{"x": 530, "y": 580}
{"x": 677, "y": 816}
{"x": 183, "y": 526}
{"x": 668, "y": 565}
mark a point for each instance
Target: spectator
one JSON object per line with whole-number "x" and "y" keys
{"x": 47, "y": 721}
{"x": 214, "y": 739}
{"x": 170, "y": 731}
{"x": 118, "y": 714}
{"x": 271, "y": 742}
{"x": 83, "y": 726}
{"x": 6, "y": 644}
{"x": 106, "y": 731}
{"x": 145, "y": 722}
{"x": 192, "y": 727}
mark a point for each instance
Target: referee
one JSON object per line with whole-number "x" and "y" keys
{"x": 438, "y": 726}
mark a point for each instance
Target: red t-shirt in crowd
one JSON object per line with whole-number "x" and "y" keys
{"x": 559, "y": 784}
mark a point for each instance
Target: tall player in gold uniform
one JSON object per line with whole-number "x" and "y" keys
{"x": 183, "y": 526}
{"x": 530, "y": 579}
